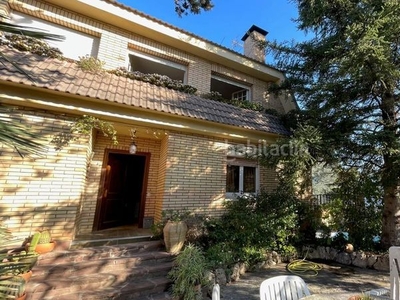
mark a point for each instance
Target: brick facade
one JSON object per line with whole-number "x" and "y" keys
{"x": 43, "y": 192}
{"x": 60, "y": 190}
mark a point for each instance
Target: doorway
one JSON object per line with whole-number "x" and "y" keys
{"x": 122, "y": 197}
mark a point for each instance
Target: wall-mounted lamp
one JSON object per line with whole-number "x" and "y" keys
{"x": 133, "y": 147}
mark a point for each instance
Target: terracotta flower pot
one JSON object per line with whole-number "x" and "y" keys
{"x": 23, "y": 297}
{"x": 174, "y": 236}
{"x": 44, "y": 248}
{"x": 26, "y": 276}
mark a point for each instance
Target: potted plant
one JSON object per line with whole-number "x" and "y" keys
{"x": 19, "y": 263}
{"x": 189, "y": 274}
{"x": 15, "y": 265}
{"x": 175, "y": 230}
{"x": 45, "y": 243}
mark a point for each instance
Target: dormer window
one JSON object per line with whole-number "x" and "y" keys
{"x": 230, "y": 89}
{"x": 149, "y": 64}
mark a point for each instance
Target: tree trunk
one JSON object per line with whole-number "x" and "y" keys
{"x": 391, "y": 214}
{"x": 390, "y": 182}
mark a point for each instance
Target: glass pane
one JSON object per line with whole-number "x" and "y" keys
{"x": 249, "y": 179}
{"x": 240, "y": 95}
{"x": 232, "y": 179}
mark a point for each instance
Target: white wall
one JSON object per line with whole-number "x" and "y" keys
{"x": 75, "y": 44}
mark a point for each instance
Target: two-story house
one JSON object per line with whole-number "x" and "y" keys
{"x": 186, "y": 146}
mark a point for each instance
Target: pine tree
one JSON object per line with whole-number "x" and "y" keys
{"x": 347, "y": 78}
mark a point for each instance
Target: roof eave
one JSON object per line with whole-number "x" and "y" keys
{"x": 31, "y": 96}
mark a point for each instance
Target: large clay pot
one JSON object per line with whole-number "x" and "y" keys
{"x": 174, "y": 236}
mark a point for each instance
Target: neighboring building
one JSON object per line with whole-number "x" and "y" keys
{"x": 184, "y": 155}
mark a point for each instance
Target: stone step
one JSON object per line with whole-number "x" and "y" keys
{"x": 96, "y": 253}
{"x": 101, "y": 266}
{"x": 128, "y": 271}
{"x": 79, "y": 244}
{"x": 120, "y": 272}
{"x": 146, "y": 289}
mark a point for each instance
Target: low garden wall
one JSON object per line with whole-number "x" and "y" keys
{"x": 359, "y": 259}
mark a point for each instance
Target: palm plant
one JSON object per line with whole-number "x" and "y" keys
{"x": 19, "y": 136}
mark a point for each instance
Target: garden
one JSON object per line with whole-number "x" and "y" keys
{"x": 256, "y": 230}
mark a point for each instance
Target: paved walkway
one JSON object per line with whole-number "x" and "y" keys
{"x": 330, "y": 280}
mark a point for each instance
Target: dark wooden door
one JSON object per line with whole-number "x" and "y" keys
{"x": 123, "y": 194}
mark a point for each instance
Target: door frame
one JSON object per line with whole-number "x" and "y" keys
{"x": 107, "y": 152}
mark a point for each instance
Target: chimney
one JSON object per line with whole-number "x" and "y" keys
{"x": 250, "y": 39}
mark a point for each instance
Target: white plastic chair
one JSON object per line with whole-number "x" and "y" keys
{"x": 216, "y": 292}
{"x": 283, "y": 287}
{"x": 394, "y": 263}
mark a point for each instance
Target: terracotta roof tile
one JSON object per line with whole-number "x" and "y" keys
{"x": 67, "y": 77}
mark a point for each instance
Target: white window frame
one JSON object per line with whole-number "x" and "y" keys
{"x": 158, "y": 60}
{"x": 238, "y": 84}
{"x": 241, "y": 163}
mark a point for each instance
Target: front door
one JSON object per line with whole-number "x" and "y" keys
{"x": 123, "y": 194}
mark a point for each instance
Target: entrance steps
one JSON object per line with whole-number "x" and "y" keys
{"x": 121, "y": 272}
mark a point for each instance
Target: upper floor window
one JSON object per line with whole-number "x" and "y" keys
{"x": 230, "y": 89}
{"x": 242, "y": 177}
{"x": 149, "y": 64}
{"x": 88, "y": 44}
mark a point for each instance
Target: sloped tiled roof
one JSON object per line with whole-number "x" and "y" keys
{"x": 67, "y": 77}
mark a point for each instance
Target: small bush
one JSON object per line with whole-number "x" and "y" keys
{"x": 238, "y": 103}
{"x": 91, "y": 64}
{"x": 188, "y": 273}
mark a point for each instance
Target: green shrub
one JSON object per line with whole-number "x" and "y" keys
{"x": 356, "y": 209}
{"x": 216, "y": 96}
{"x": 156, "y": 79}
{"x": 188, "y": 273}
{"x": 253, "y": 225}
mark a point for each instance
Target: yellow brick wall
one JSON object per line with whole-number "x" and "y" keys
{"x": 161, "y": 179}
{"x": 268, "y": 179}
{"x": 195, "y": 174}
{"x": 43, "y": 192}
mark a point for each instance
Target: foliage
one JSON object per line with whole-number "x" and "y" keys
{"x": 346, "y": 76}
{"x": 90, "y": 64}
{"x": 18, "y": 133}
{"x": 26, "y": 39}
{"x": 310, "y": 220}
{"x": 323, "y": 178}
{"x": 252, "y": 225}
{"x": 12, "y": 134}
{"x": 192, "y": 6}
{"x": 84, "y": 125}
{"x": 156, "y": 79}
{"x": 188, "y": 272}
{"x": 12, "y": 287}
{"x": 293, "y": 157}
{"x": 356, "y": 209}
{"x": 30, "y": 44}
{"x": 238, "y": 103}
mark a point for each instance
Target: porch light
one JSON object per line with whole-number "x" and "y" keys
{"x": 133, "y": 147}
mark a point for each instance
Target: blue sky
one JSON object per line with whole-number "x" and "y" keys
{"x": 229, "y": 20}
